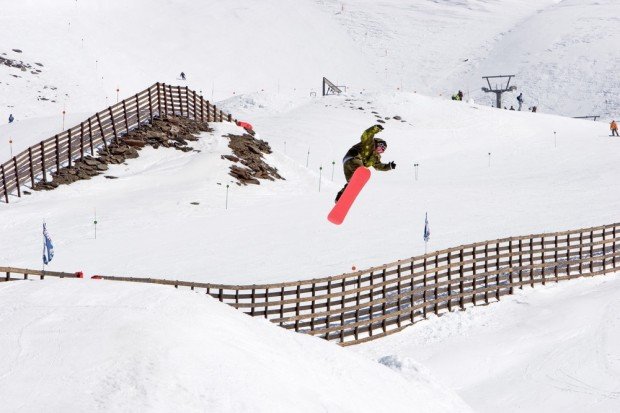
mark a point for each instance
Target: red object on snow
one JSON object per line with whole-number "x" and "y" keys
{"x": 79, "y": 274}
{"x": 245, "y": 125}
{"x": 96, "y": 277}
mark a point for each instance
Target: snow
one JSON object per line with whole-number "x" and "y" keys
{"x": 546, "y": 349}
{"x": 87, "y": 345}
{"x": 263, "y": 63}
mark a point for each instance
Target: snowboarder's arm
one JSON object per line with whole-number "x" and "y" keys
{"x": 382, "y": 166}
{"x": 368, "y": 144}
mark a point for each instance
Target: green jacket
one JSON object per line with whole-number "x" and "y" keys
{"x": 365, "y": 151}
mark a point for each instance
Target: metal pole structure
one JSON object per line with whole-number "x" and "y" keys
{"x": 320, "y": 175}
{"x": 333, "y": 167}
{"x": 308, "y": 157}
{"x": 227, "y": 195}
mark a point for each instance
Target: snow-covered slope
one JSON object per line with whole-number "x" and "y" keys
{"x": 81, "y": 345}
{"x": 483, "y": 174}
{"x": 548, "y": 349}
{"x": 533, "y": 184}
{"x": 563, "y": 52}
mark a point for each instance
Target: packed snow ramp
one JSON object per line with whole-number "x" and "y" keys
{"x": 49, "y": 156}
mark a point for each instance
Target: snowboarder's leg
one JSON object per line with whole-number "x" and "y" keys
{"x": 349, "y": 168}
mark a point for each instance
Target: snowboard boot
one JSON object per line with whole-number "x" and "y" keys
{"x": 340, "y": 193}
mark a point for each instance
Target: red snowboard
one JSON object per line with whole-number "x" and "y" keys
{"x": 357, "y": 182}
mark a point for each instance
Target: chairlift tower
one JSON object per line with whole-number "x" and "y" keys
{"x": 498, "y": 90}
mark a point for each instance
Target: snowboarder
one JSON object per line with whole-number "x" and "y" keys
{"x": 182, "y": 76}
{"x": 11, "y": 118}
{"x": 520, "y": 100}
{"x": 366, "y": 153}
{"x": 614, "y": 128}
{"x": 458, "y": 96}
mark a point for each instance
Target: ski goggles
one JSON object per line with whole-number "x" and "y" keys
{"x": 380, "y": 148}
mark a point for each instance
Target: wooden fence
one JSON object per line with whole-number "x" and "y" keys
{"x": 13, "y": 274}
{"x": 365, "y": 305}
{"x": 63, "y": 149}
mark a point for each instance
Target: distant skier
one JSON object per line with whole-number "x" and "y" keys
{"x": 182, "y": 76}
{"x": 11, "y": 118}
{"x": 614, "y": 128}
{"x": 534, "y": 108}
{"x": 458, "y": 96}
{"x": 366, "y": 153}
{"x": 520, "y": 100}
{"x": 511, "y": 108}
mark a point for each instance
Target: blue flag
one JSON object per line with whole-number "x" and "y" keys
{"x": 48, "y": 247}
{"x": 427, "y": 229}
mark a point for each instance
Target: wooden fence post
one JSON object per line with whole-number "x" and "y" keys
{"x": 159, "y": 87}
{"x": 510, "y": 275}
{"x": 474, "y": 276}
{"x": 436, "y": 292}
{"x": 81, "y": 140}
{"x": 6, "y": 192}
{"x": 383, "y": 305}
{"x": 90, "y": 136}
{"x": 165, "y": 101}
{"x": 180, "y": 99}
{"x": 614, "y": 246}
{"x": 497, "y": 282}
{"x": 69, "y": 147}
{"x": 202, "y": 109}
{"x": 57, "y": 154}
{"x": 125, "y": 115}
{"x": 298, "y": 295}
{"x": 105, "y": 144}
{"x": 357, "y": 304}
{"x": 31, "y": 166}
{"x": 486, "y": 273}
{"x": 424, "y": 285}
{"x": 138, "y": 109}
{"x": 449, "y": 281}
{"x": 461, "y": 284}
{"x": 19, "y": 190}
{"x": 591, "y": 251}
{"x": 43, "y": 162}
{"x": 313, "y": 288}
{"x": 115, "y": 138}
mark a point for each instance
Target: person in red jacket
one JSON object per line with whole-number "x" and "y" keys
{"x": 614, "y": 128}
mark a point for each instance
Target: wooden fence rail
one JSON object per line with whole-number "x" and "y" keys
{"x": 365, "y": 305}
{"x": 160, "y": 100}
{"x": 11, "y": 274}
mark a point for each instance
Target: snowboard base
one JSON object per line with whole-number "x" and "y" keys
{"x": 355, "y": 185}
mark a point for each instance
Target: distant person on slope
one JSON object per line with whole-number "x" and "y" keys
{"x": 11, "y": 118}
{"x": 614, "y": 128}
{"x": 520, "y": 100}
{"x": 182, "y": 76}
{"x": 458, "y": 96}
{"x": 366, "y": 153}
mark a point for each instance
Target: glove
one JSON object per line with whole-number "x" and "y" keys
{"x": 392, "y": 165}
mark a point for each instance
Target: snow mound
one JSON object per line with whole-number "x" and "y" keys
{"x": 86, "y": 345}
